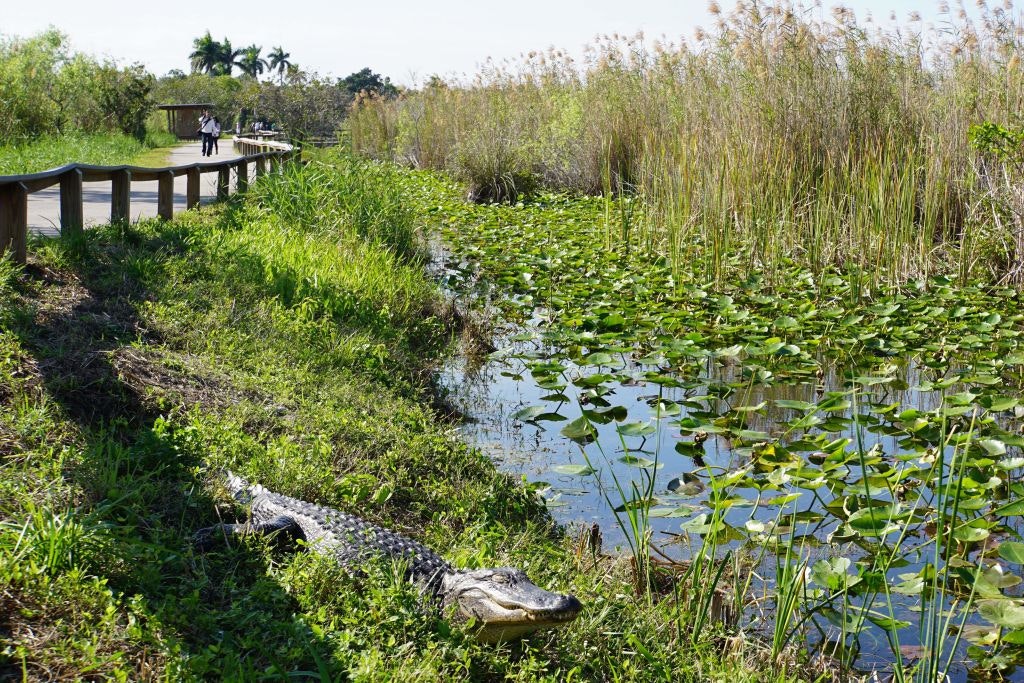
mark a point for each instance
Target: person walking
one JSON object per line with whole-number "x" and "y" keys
{"x": 202, "y": 122}
{"x": 206, "y": 129}
{"x": 216, "y": 135}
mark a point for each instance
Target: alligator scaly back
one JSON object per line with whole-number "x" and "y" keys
{"x": 503, "y": 599}
{"x": 348, "y": 538}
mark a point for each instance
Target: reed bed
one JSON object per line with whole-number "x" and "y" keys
{"x": 783, "y": 132}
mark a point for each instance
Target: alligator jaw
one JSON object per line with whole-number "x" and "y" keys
{"x": 506, "y": 603}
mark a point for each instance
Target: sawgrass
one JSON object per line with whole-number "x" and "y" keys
{"x": 293, "y": 343}
{"x": 787, "y": 131}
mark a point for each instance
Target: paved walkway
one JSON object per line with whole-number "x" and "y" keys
{"x": 44, "y": 206}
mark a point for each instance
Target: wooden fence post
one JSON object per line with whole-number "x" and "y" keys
{"x": 242, "y": 183}
{"x": 120, "y": 196}
{"x": 275, "y": 163}
{"x": 165, "y": 195}
{"x": 14, "y": 220}
{"x": 261, "y": 166}
{"x": 223, "y": 182}
{"x": 71, "y": 214}
{"x": 192, "y": 188}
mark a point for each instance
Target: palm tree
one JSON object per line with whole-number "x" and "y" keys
{"x": 226, "y": 58}
{"x": 279, "y": 61}
{"x": 206, "y": 56}
{"x": 250, "y": 61}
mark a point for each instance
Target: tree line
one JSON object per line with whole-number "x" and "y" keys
{"x": 219, "y": 58}
{"x": 300, "y": 101}
{"x": 48, "y": 89}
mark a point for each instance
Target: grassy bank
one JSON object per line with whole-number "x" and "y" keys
{"x": 794, "y": 134}
{"x": 107, "y": 149}
{"x": 289, "y": 337}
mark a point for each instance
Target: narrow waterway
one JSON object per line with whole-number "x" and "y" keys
{"x": 661, "y": 444}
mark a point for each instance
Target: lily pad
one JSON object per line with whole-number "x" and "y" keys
{"x": 1005, "y": 613}
{"x": 686, "y": 485}
{"x": 575, "y": 470}
{"x": 637, "y": 429}
{"x": 1012, "y": 551}
{"x": 579, "y": 429}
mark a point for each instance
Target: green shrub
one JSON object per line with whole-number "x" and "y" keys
{"x": 46, "y": 89}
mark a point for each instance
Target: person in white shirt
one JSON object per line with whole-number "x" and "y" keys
{"x": 206, "y": 128}
{"x": 199, "y": 132}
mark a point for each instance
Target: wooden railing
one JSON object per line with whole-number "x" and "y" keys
{"x": 15, "y": 189}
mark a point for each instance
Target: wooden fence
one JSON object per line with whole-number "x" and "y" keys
{"x": 15, "y": 189}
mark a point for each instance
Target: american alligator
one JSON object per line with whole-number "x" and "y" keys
{"x": 502, "y": 600}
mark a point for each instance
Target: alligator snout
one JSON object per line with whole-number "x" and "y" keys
{"x": 568, "y": 608}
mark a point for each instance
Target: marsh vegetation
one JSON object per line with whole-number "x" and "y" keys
{"x": 785, "y": 132}
{"x": 762, "y": 308}
{"x": 839, "y": 457}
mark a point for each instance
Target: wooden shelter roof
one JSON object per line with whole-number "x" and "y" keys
{"x": 199, "y": 105}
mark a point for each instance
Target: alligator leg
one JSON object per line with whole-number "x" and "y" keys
{"x": 283, "y": 528}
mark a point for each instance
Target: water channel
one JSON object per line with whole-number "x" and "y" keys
{"x": 670, "y": 445}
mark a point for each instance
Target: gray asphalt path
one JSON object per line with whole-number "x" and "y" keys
{"x": 44, "y": 206}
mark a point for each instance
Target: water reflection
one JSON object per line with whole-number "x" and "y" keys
{"x": 492, "y": 393}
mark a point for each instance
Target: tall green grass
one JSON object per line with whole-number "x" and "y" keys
{"x": 782, "y": 132}
{"x": 105, "y": 149}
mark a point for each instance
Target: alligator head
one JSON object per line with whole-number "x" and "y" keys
{"x": 505, "y": 602}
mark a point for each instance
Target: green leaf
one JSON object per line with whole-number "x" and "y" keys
{"x": 530, "y": 413}
{"x": 578, "y": 429}
{"x": 887, "y": 622}
{"x": 970, "y": 534}
{"x": 593, "y": 380}
{"x": 686, "y": 485}
{"x": 550, "y": 417}
{"x": 993, "y": 446}
{"x": 1012, "y": 509}
{"x": 833, "y": 573}
{"x": 383, "y": 494}
{"x": 637, "y": 428}
{"x": 681, "y": 511}
{"x": 786, "y": 323}
{"x": 599, "y": 359}
{"x": 639, "y": 461}
{"x": 999, "y": 403}
{"x": 874, "y": 521}
{"x": 912, "y": 586}
{"x": 635, "y": 504}
{"x": 574, "y": 470}
{"x": 1008, "y": 464}
{"x": 794, "y": 405}
{"x": 1005, "y": 613}
{"x": 1012, "y": 551}
{"x": 729, "y": 351}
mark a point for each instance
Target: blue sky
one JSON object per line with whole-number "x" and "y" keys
{"x": 406, "y": 40}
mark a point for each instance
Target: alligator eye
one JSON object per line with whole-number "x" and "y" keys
{"x": 499, "y": 578}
